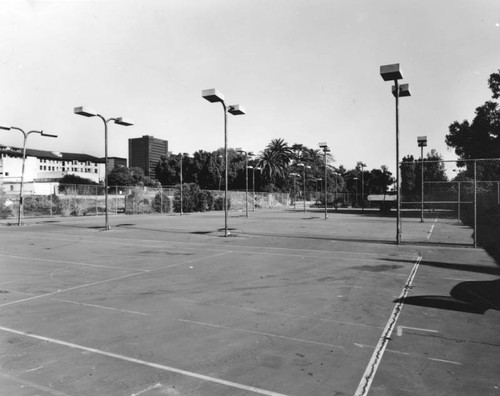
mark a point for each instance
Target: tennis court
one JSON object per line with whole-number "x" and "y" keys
{"x": 289, "y": 304}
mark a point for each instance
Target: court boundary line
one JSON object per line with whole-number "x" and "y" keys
{"x": 140, "y": 272}
{"x": 70, "y": 262}
{"x": 260, "y": 333}
{"x": 373, "y": 364}
{"x": 232, "y": 246}
{"x": 144, "y": 363}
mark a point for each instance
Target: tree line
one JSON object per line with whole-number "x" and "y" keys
{"x": 277, "y": 168}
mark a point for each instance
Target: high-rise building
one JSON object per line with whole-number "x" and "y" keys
{"x": 115, "y": 162}
{"x": 145, "y": 152}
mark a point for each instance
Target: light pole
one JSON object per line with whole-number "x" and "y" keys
{"x": 253, "y": 184}
{"x": 362, "y": 164}
{"x": 86, "y": 112}
{"x": 393, "y": 73}
{"x": 294, "y": 175}
{"x": 319, "y": 179}
{"x": 304, "y": 166}
{"x": 181, "y": 195}
{"x": 422, "y": 142}
{"x": 326, "y": 150}
{"x": 25, "y": 134}
{"x": 247, "y": 154}
{"x": 212, "y": 95}
{"x": 356, "y": 189}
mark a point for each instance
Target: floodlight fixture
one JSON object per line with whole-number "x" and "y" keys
{"x": 391, "y": 72}
{"x": 84, "y": 111}
{"x": 47, "y": 134}
{"x": 404, "y": 90}
{"x": 236, "y": 109}
{"x": 212, "y": 95}
{"x": 123, "y": 121}
{"x": 422, "y": 141}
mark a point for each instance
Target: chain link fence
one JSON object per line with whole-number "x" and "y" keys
{"x": 465, "y": 193}
{"x": 85, "y": 200}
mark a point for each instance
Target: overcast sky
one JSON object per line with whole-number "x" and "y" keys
{"x": 305, "y": 70}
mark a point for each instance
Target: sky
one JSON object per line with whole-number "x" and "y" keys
{"x": 306, "y": 71}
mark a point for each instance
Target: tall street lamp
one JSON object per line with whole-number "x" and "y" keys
{"x": 212, "y": 95}
{"x": 86, "y": 112}
{"x": 254, "y": 168}
{"x": 294, "y": 175}
{"x": 393, "y": 73}
{"x": 326, "y": 150}
{"x": 304, "y": 166}
{"x": 422, "y": 142}
{"x": 362, "y": 164}
{"x": 181, "y": 181}
{"x": 356, "y": 189}
{"x": 247, "y": 154}
{"x": 25, "y": 134}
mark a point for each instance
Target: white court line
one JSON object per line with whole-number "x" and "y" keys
{"x": 110, "y": 280}
{"x": 276, "y": 313}
{"x": 70, "y": 289}
{"x": 100, "y": 306}
{"x": 147, "y": 243}
{"x": 371, "y": 369}
{"x": 445, "y": 361}
{"x": 432, "y": 228}
{"x": 70, "y": 262}
{"x": 261, "y": 333}
{"x": 28, "y": 384}
{"x": 144, "y": 363}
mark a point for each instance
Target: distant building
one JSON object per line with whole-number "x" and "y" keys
{"x": 145, "y": 152}
{"x": 115, "y": 162}
{"x": 43, "y": 169}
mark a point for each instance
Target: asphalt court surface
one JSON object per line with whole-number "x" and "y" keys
{"x": 289, "y": 304}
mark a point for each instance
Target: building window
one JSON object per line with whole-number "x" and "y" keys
{"x": 41, "y": 167}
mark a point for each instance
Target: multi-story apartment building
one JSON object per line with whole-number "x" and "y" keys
{"x": 145, "y": 152}
{"x": 43, "y": 169}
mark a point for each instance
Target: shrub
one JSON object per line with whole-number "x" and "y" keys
{"x": 162, "y": 203}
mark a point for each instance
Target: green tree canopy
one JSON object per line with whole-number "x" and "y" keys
{"x": 480, "y": 139}
{"x": 133, "y": 176}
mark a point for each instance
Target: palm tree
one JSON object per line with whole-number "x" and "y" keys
{"x": 274, "y": 160}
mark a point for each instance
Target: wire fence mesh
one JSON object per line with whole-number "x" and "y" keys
{"x": 84, "y": 200}
{"x": 471, "y": 198}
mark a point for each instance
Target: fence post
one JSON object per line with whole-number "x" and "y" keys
{"x": 459, "y": 217}
{"x": 475, "y": 203}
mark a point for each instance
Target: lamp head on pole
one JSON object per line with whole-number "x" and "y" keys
{"x": 236, "y": 110}
{"x": 212, "y": 95}
{"x": 84, "y": 111}
{"x": 123, "y": 121}
{"x": 404, "y": 90}
{"x": 48, "y": 134}
{"x": 391, "y": 72}
{"x": 422, "y": 141}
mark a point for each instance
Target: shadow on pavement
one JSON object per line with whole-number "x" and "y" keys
{"x": 482, "y": 269}
{"x": 472, "y": 297}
